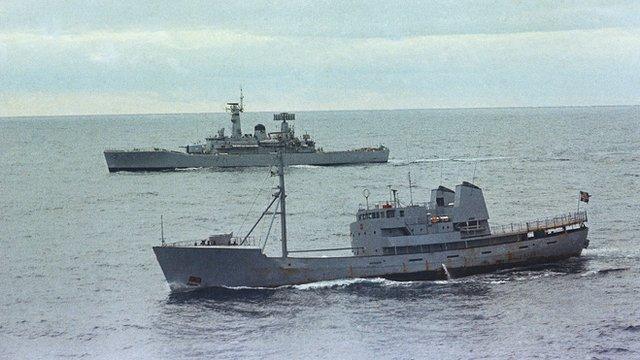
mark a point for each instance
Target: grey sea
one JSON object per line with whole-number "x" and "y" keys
{"x": 79, "y": 279}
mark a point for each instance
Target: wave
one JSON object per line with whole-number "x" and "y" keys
{"x": 487, "y": 158}
{"x": 148, "y": 193}
{"x": 605, "y": 271}
{"x": 305, "y": 166}
{"x": 405, "y": 162}
{"x": 495, "y": 278}
{"x": 190, "y": 169}
{"x": 545, "y": 159}
{"x": 344, "y": 283}
{"x": 611, "y": 253}
{"x": 178, "y": 289}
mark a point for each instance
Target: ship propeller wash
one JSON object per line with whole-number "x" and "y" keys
{"x": 448, "y": 237}
{"x": 242, "y": 150}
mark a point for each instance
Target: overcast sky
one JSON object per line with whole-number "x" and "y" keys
{"x": 192, "y": 56}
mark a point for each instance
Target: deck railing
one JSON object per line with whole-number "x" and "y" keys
{"x": 235, "y": 241}
{"x": 548, "y": 223}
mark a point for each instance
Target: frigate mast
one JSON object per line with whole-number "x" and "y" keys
{"x": 235, "y": 109}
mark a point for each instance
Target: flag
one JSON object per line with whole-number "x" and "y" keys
{"x": 584, "y": 196}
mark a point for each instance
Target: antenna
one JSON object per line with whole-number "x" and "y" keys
{"x": 474, "y": 172}
{"x": 410, "y": 189}
{"x": 282, "y": 196}
{"x": 241, "y": 99}
{"x": 475, "y": 165}
{"x": 441, "y": 169}
{"x": 365, "y": 192}
{"x": 390, "y": 192}
{"x": 161, "y": 230}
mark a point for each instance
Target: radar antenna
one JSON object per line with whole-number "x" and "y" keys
{"x": 365, "y": 192}
{"x": 410, "y": 189}
{"x": 285, "y": 131}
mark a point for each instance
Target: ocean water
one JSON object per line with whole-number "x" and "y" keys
{"x": 79, "y": 279}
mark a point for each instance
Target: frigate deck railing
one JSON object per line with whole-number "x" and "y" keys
{"x": 544, "y": 224}
{"x": 137, "y": 149}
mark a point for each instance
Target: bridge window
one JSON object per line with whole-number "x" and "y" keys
{"x": 391, "y": 213}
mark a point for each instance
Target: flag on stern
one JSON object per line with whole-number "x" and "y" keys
{"x": 584, "y": 196}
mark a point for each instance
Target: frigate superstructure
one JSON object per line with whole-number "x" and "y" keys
{"x": 242, "y": 150}
{"x": 448, "y": 236}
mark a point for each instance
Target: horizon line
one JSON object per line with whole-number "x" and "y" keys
{"x": 331, "y": 110}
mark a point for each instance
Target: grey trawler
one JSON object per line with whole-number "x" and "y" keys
{"x": 242, "y": 150}
{"x": 449, "y": 236}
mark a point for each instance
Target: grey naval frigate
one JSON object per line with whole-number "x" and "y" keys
{"x": 449, "y": 236}
{"x": 242, "y": 150}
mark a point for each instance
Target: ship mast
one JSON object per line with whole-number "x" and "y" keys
{"x": 235, "y": 109}
{"x": 282, "y": 195}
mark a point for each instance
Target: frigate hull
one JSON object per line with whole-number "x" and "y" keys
{"x": 159, "y": 160}
{"x": 189, "y": 267}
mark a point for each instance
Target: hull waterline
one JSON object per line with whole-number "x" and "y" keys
{"x": 189, "y": 267}
{"x": 165, "y": 160}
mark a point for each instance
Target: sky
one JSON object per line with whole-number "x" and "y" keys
{"x": 112, "y": 57}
